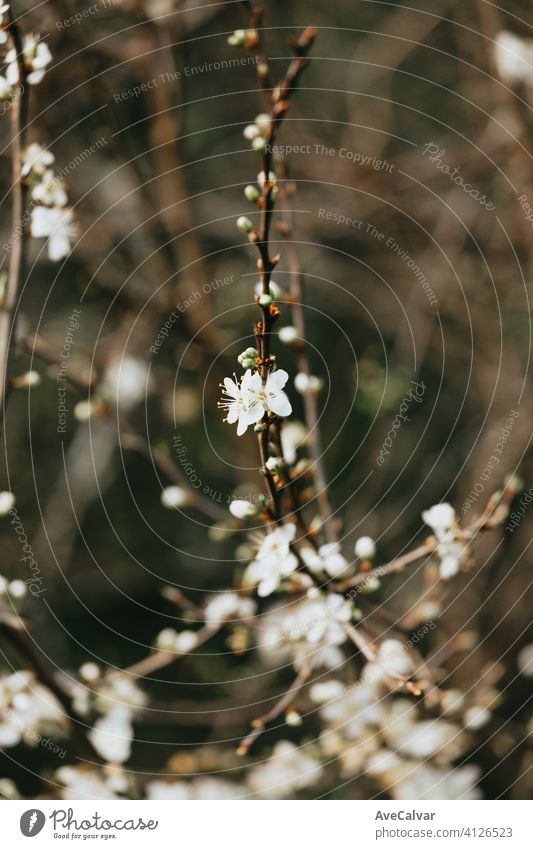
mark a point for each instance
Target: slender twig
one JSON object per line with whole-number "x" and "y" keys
{"x": 310, "y": 399}
{"x": 394, "y": 681}
{"x": 491, "y": 518}
{"x": 278, "y": 101}
{"x": 260, "y": 724}
{"x": 159, "y": 659}
{"x": 17, "y": 259}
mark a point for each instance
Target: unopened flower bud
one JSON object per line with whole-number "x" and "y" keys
{"x": 262, "y": 120}
{"x": 89, "y": 671}
{"x": 307, "y": 383}
{"x": 185, "y": 641}
{"x": 24, "y": 381}
{"x": 259, "y": 143}
{"x": 251, "y": 132}
{"x": 265, "y": 300}
{"x": 365, "y": 548}
{"x": 17, "y": 590}
{"x": 371, "y": 585}
{"x": 275, "y": 290}
{"x": 259, "y": 427}
{"x": 293, "y": 718}
{"x": 288, "y": 335}
{"x": 273, "y": 464}
{"x": 244, "y": 224}
{"x": 166, "y": 639}
{"x": 83, "y": 411}
{"x": 271, "y": 178}
{"x": 242, "y": 509}
{"x": 173, "y": 497}
{"x": 7, "y": 502}
{"x": 237, "y": 38}
{"x": 251, "y": 193}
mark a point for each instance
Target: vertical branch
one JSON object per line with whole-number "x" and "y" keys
{"x": 17, "y": 259}
{"x": 277, "y": 101}
{"x": 309, "y": 398}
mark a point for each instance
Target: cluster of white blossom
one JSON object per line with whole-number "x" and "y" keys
{"x": 36, "y": 56}
{"x": 257, "y": 133}
{"x": 50, "y": 218}
{"x": 314, "y": 627}
{"x": 514, "y": 58}
{"x": 248, "y": 399}
{"x": 383, "y": 736}
{"x": 28, "y": 710}
{"x": 441, "y": 519}
{"x": 116, "y": 697}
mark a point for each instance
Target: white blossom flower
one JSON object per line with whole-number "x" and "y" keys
{"x": 26, "y": 708}
{"x": 450, "y": 554}
{"x": 57, "y": 226}
{"x": 3, "y": 34}
{"x": 355, "y": 710}
{"x": 126, "y": 382}
{"x": 288, "y": 334}
{"x": 514, "y": 57}
{"x": 308, "y": 627}
{"x": 334, "y": 563}
{"x": 35, "y": 158}
{"x": 8, "y": 789}
{"x": 228, "y": 606}
{"x": 476, "y": 717}
{"x": 242, "y": 509}
{"x": 326, "y": 691}
{"x": 241, "y": 401}
{"x": 272, "y": 395}
{"x": 293, "y": 435}
{"x": 247, "y": 402}
{"x": 288, "y": 769}
{"x": 90, "y": 672}
{"x": 308, "y": 384}
{"x": 165, "y": 790}
{"x": 50, "y": 191}
{"x": 174, "y": 497}
{"x": 274, "y": 560}
{"x": 7, "y": 502}
{"x": 36, "y": 58}
{"x": 524, "y": 660}
{"x": 122, "y": 691}
{"x": 365, "y": 548}
{"x": 86, "y": 783}
{"x": 440, "y": 518}
{"x": 112, "y": 735}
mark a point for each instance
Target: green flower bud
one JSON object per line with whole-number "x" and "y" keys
{"x": 251, "y": 193}
{"x": 244, "y": 224}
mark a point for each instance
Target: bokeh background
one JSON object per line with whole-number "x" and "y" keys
{"x": 155, "y": 199}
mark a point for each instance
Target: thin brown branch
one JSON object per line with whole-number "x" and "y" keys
{"x": 159, "y": 659}
{"x": 260, "y": 724}
{"x": 19, "y": 235}
{"x": 310, "y": 399}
